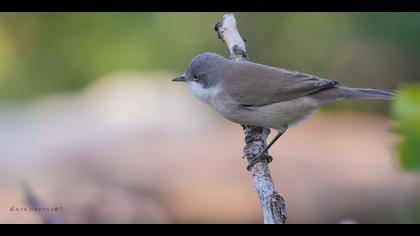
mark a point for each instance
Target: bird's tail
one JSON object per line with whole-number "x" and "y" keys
{"x": 337, "y": 93}
{"x": 365, "y": 93}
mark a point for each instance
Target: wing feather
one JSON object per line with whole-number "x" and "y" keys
{"x": 252, "y": 84}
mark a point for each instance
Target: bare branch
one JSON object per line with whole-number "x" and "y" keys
{"x": 272, "y": 203}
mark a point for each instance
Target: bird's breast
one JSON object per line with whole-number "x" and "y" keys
{"x": 277, "y": 115}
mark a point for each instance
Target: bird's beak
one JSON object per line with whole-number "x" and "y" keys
{"x": 179, "y": 79}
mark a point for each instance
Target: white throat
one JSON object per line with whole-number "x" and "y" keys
{"x": 204, "y": 94}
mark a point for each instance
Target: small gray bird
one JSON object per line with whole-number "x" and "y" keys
{"x": 258, "y": 95}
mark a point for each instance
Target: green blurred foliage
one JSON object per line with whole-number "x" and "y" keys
{"x": 406, "y": 110}
{"x": 52, "y": 52}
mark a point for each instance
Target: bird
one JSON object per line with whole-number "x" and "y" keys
{"x": 259, "y": 95}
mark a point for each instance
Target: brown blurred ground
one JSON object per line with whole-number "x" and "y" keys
{"x": 133, "y": 150}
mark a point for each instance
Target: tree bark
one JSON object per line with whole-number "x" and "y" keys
{"x": 272, "y": 203}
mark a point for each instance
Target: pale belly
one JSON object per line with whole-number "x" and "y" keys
{"x": 277, "y": 116}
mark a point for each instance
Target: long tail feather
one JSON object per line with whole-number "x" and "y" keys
{"x": 339, "y": 93}
{"x": 362, "y": 93}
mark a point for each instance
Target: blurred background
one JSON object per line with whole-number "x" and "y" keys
{"x": 91, "y": 122}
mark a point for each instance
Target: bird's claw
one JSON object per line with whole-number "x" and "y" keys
{"x": 258, "y": 158}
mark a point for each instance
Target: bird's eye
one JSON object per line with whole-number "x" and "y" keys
{"x": 195, "y": 77}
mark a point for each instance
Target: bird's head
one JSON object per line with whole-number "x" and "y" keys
{"x": 204, "y": 70}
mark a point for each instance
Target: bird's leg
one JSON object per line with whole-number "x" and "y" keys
{"x": 262, "y": 154}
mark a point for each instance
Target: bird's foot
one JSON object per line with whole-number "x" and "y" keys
{"x": 258, "y": 158}
{"x": 264, "y": 153}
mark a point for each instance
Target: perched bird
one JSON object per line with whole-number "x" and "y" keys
{"x": 258, "y": 95}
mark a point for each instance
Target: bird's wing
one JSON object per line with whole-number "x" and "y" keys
{"x": 252, "y": 84}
